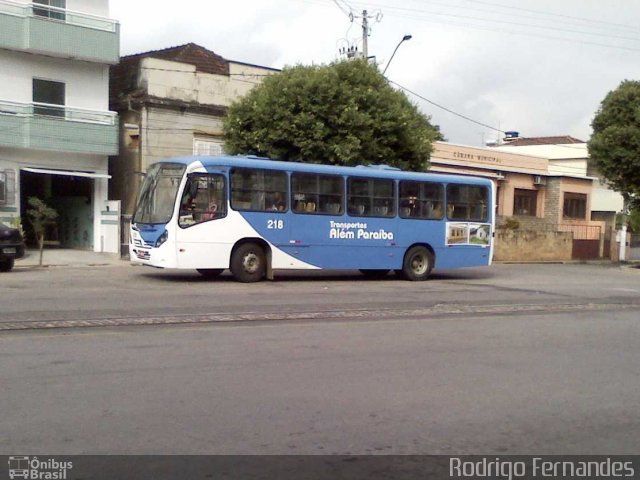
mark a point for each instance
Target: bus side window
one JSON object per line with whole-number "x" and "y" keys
{"x": 421, "y": 200}
{"x": 317, "y": 194}
{"x": 467, "y": 202}
{"x": 203, "y": 199}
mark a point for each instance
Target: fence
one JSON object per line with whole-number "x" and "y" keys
{"x": 587, "y": 241}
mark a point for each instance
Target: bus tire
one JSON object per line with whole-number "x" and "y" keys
{"x": 417, "y": 265}
{"x": 248, "y": 263}
{"x": 210, "y": 272}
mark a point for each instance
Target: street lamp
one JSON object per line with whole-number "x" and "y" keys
{"x": 404, "y": 39}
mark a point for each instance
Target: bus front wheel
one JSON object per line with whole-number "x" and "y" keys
{"x": 248, "y": 263}
{"x": 418, "y": 263}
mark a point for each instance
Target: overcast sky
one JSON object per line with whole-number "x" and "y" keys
{"x": 540, "y": 67}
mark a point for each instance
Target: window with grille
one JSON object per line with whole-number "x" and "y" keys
{"x": 208, "y": 147}
{"x": 575, "y": 206}
{"x": 525, "y": 202}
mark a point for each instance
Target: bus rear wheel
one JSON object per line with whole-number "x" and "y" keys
{"x": 417, "y": 264}
{"x": 210, "y": 272}
{"x": 248, "y": 263}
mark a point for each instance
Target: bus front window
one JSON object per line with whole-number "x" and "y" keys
{"x": 158, "y": 193}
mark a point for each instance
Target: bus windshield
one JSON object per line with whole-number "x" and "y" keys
{"x": 158, "y": 193}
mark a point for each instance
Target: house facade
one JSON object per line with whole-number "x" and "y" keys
{"x": 533, "y": 195}
{"x": 56, "y": 130}
{"x": 570, "y": 156}
{"x": 171, "y": 102}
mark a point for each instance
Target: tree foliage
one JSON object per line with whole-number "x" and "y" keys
{"x": 41, "y": 216}
{"x": 345, "y": 113}
{"x": 615, "y": 142}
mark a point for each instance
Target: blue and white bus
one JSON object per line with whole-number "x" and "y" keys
{"x": 255, "y": 215}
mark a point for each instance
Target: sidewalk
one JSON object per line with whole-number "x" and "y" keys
{"x": 63, "y": 257}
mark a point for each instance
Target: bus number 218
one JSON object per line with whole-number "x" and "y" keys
{"x": 275, "y": 224}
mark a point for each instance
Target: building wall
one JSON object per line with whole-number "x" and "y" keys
{"x": 180, "y": 81}
{"x": 519, "y": 181}
{"x": 169, "y": 132}
{"x": 604, "y": 199}
{"x": 86, "y": 84}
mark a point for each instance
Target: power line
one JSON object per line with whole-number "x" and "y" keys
{"x": 446, "y": 109}
{"x": 426, "y": 15}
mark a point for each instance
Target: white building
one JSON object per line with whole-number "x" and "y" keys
{"x": 56, "y": 130}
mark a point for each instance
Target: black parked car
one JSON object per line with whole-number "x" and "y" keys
{"x": 11, "y": 246}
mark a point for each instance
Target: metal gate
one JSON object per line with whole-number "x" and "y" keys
{"x": 586, "y": 241}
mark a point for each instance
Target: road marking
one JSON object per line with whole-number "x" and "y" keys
{"x": 427, "y": 312}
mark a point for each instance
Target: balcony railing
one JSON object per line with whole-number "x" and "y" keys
{"x": 59, "y": 14}
{"x": 43, "y": 126}
{"x": 73, "y": 114}
{"x": 58, "y": 32}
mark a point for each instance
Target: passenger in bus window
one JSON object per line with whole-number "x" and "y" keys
{"x": 211, "y": 212}
{"x": 278, "y": 204}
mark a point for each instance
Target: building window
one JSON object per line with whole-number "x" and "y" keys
{"x": 47, "y": 11}
{"x": 575, "y": 206}
{"x": 524, "y": 202}
{"x": 208, "y": 147}
{"x": 46, "y": 95}
{"x": 7, "y": 187}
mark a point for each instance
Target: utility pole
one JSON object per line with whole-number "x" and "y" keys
{"x": 365, "y": 35}
{"x": 351, "y": 51}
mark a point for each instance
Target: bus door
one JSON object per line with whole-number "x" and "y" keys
{"x": 200, "y": 237}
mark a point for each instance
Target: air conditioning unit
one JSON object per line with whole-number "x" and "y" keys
{"x": 539, "y": 180}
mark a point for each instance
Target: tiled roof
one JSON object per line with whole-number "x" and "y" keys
{"x": 204, "y": 60}
{"x": 561, "y": 140}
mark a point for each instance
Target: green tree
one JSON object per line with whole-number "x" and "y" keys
{"x": 615, "y": 142}
{"x": 345, "y": 113}
{"x": 41, "y": 216}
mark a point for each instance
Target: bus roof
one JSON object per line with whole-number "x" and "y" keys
{"x": 376, "y": 171}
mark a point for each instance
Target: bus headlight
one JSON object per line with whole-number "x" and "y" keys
{"x": 162, "y": 238}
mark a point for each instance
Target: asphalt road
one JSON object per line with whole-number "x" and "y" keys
{"x": 512, "y": 359}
